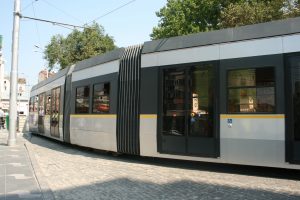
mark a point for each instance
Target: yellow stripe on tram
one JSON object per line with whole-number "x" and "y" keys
{"x": 148, "y": 116}
{"x": 94, "y": 116}
{"x": 250, "y": 116}
{"x": 143, "y": 116}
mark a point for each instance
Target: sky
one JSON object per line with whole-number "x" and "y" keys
{"x": 130, "y": 25}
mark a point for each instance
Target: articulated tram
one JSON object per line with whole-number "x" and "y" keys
{"x": 226, "y": 96}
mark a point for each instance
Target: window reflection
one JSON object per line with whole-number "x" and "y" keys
{"x": 188, "y": 101}
{"x": 82, "y": 99}
{"x": 31, "y": 102}
{"x": 173, "y": 103}
{"x": 251, "y": 90}
{"x": 48, "y": 105}
{"x": 42, "y": 104}
{"x": 201, "y": 114}
{"x": 35, "y": 105}
{"x": 101, "y": 102}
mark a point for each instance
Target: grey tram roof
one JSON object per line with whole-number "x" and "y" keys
{"x": 56, "y": 76}
{"x": 263, "y": 30}
{"x": 97, "y": 60}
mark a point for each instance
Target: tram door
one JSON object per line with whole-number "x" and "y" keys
{"x": 54, "y": 121}
{"x": 188, "y": 124}
{"x": 293, "y": 109}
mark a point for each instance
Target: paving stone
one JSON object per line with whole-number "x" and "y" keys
{"x": 26, "y": 170}
{"x": 17, "y": 179}
{"x": 73, "y": 173}
{"x": 2, "y": 185}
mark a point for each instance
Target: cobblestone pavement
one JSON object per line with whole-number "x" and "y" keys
{"x": 75, "y": 173}
{"x": 17, "y": 179}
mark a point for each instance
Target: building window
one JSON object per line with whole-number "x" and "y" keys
{"x": 251, "y": 90}
{"x": 82, "y": 99}
{"x": 101, "y": 102}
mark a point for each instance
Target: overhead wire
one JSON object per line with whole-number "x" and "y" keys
{"x": 36, "y": 26}
{"x": 109, "y": 12}
{"x": 52, "y": 22}
{"x": 65, "y": 25}
{"x": 62, "y": 11}
{"x": 28, "y": 5}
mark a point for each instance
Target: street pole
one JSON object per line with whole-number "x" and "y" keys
{"x": 13, "y": 77}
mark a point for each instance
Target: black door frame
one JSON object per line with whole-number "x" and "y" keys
{"x": 292, "y": 153}
{"x": 205, "y": 142}
{"x": 54, "y": 120}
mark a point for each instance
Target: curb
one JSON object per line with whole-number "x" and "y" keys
{"x": 45, "y": 189}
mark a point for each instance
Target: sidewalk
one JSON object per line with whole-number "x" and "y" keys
{"x": 17, "y": 178}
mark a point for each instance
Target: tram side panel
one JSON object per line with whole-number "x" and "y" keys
{"x": 53, "y": 110}
{"x": 252, "y": 111}
{"x": 50, "y": 97}
{"x": 252, "y": 126}
{"x": 149, "y": 110}
{"x": 93, "y": 106}
{"x": 167, "y": 129}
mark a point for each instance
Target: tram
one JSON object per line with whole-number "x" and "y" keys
{"x": 226, "y": 96}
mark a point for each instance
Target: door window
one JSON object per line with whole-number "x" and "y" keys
{"x": 174, "y": 103}
{"x": 201, "y": 101}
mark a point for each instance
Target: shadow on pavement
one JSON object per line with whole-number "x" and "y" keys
{"x": 131, "y": 190}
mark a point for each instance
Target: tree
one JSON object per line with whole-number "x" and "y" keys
{"x": 182, "y": 17}
{"x": 77, "y": 46}
{"x": 257, "y": 11}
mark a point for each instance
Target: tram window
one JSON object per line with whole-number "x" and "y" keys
{"x": 101, "y": 102}
{"x": 174, "y": 103}
{"x": 35, "y": 105}
{"x": 42, "y": 104}
{"x": 31, "y": 102}
{"x": 82, "y": 99}
{"x": 201, "y": 101}
{"x": 57, "y": 99}
{"x": 251, "y": 90}
{"x": 48, "y": 105}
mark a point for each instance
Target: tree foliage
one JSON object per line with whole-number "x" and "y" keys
{"x": 181, "y": 17}
{"x": 77, "y": 46}
{"x": 255, "y": 11}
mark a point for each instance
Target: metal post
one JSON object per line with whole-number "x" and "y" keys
{"x": 13, "y": 77}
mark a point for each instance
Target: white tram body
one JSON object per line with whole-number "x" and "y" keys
{"x": 227, "y": 96}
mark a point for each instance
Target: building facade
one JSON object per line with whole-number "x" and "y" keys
{"x": 44, "y": 74}
{"x": 23, "y": 89}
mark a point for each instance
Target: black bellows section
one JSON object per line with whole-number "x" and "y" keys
{"x": 128, "y": 110}
{"x": 67, "y": 108}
